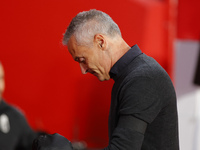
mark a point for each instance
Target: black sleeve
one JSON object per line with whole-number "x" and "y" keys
{"x": 128, "y": 135}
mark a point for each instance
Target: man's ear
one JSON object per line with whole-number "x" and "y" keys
{"x": 100, "y": 41}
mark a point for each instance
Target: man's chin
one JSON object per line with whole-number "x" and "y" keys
{"x": 102, "y": 78}
{"x": 99, "y": 77}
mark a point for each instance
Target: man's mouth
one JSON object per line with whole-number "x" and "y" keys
{"x": 90, "y": 71}
{"x": 93, "y": 73}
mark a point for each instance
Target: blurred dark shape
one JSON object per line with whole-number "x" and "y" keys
{"x": 51, "y": 142}
{"x": 197, "y": 73}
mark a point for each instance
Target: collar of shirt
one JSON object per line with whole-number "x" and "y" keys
{"x": 2, "y": 105}
{"x": 124, "y": 61}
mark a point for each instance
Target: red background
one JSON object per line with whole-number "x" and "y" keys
{"x": 188, "y": 19}
{"x": 44, "y": 81}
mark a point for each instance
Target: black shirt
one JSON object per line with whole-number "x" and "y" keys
{"x": 142, "y": 90}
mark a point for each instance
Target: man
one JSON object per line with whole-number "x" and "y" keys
{"x": 15, "y": 133}
{"x": 143, "y": 111}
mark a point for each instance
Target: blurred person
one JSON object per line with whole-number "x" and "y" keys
{"x": 15, "y": 133}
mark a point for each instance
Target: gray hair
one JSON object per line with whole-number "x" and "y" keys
{"x": 85, "y": 25}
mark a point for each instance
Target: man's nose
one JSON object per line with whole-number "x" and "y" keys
{"x": 83, "y": 68}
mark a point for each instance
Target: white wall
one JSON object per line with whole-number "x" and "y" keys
{"x": 188, "y": 94}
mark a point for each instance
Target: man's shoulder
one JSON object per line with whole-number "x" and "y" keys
{"x": 12, "y": 110}
{"x": 145, "y": 65}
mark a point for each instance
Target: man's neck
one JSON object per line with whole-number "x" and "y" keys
{"x": 119, "y": 49}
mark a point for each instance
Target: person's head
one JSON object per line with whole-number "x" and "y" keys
{"x": 2, "y": 82}
{"x": 91, "y": 37}
{"x": 85, "y": 25}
